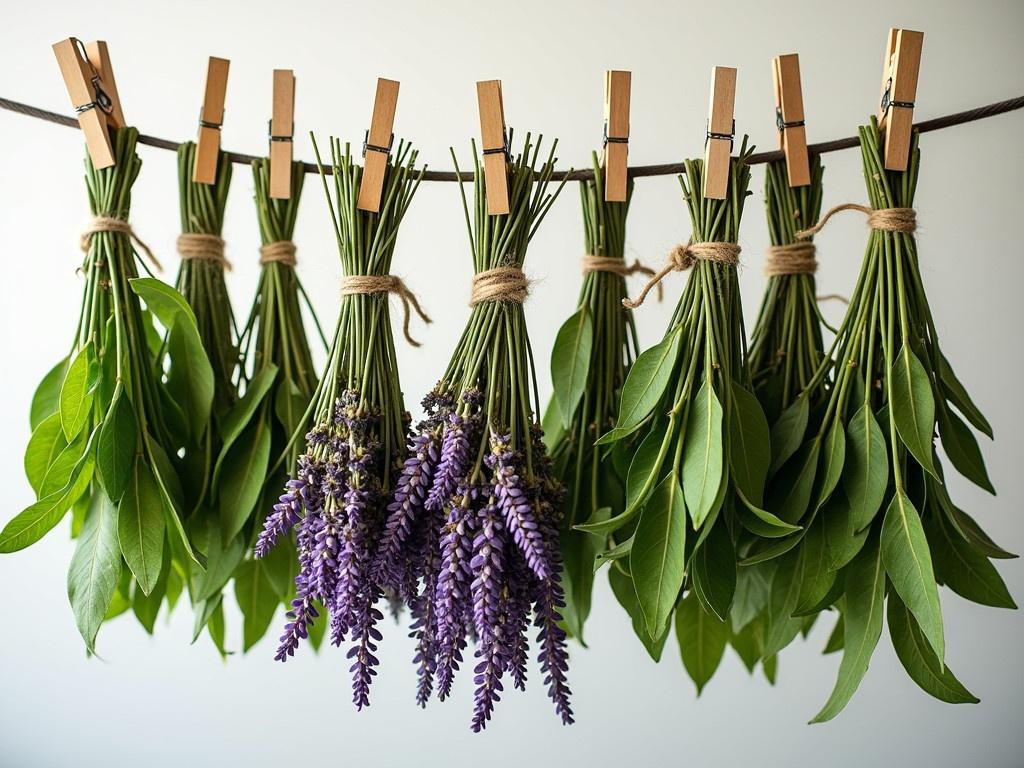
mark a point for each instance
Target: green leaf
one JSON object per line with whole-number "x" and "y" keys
{"x": 622, "y": 588}
{"x": 866, "y": 473}
{"x": 913, "y": 406}
{"x": 76, "y": 393}
{"x": 117, "y": 447}
{"x": 702, "y": 638}
{"x": 95, "y": 569}
{"x": 751, "y": 595}
{"x": 645, "y": 384}
{"x": 703, "y": 455}
{"x": 968, "y": 528}
{"x": 962, "y": 449}
{"x": 257, "y": 599}
{"x": 749, "y": 445}
{"x": 619, "y": 551}
{"x": 61, "y": 469}
{"x": 713, "y": 571}
{"x": 787, "y": 434}
{"x": 570, "y": 362}
{"x": 147, "y": 607}
{"x": 780, "y": 625}
{"x": 46, "y": 399}
{"x": 241, "y": 415}
{"x": 747, "y": 644}
{"x": 835, "y": 640}
{"x": 863, "y": 614}
{"x": 237, "y": 493}
{"x": 170, "y": 494}
{"x": 657, "y": 558}
{"x": 842, "y": 541}
{"x": 791, "y": 489}
{"x": 221, "y": 561}
{"x": 45, "y": 445}
{"x": 166, "y": 304}
{"x": 964, "y": 570}
{"x": 644, "y": 467}
{"x": 204, "y": 610}
{"x": 920, "y": 661}
{"x": 762, "y": 522}
{"x": 140, "y": 526}
{"x": 956, "y": 393}
{"x": 290, "y": 406}
{"x": 833, "y": 457}
{"x": 908, "y": 563}
{"x": 551, "y": 423}
{"x": 818, "y": 575}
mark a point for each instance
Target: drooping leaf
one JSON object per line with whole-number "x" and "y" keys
{"x": 790, "y": 491}
{"x": 817, "y": 574}
{"x": 240, "y": 416}
{"x": 117, "y": 446}
{"x": 703, "y": 454}
{"x": 787, "y": 434}
{"x": 95, "y": 569}
{"x": 713, "y": 570}
{"x": 751, "y": 595}
{"x": 702, "y": 638}
{"x": 780, "y": 625}
{"x": 833, "y": 458}
{"x": 45, "y": 445}
{"x": 842, "y": 540}
{"x": 749, "y": 445}
{"x": 140, "y": 526}
{"x": 962, "y": 449}
{"x": 570, "y": 362}
{"x": 237, "y": 493}
{"x": 762, "y": 522}
{"x": 46, "y": 399}
{"x": 657, "y": 558}
{"x": 913, "y": 406}
{"x": 257, "y": 599}
{"x": 622, "y": 588}
{"x": 64, "y": 465}
{"x": 147, "y": 607}
{"x": 964, "y": 570}
{"x": 956, "y": 393}
{"x": 76, "y": 394}
{"x": 968, "y": 528}
{"x": 866, "y": 473}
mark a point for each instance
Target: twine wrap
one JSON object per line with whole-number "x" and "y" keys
{"x": 500, "y": 284}
{"x": 794, "y": 259}
{"x": 111, "y": 224}
{"x": 364, "y": 285}
{"x": 282, "y": 251}
{"x": 195, "y": 245}
{"x": 616, "y": 266}
{"x": 885, "y": 219}
{"x": 682, "y": 257}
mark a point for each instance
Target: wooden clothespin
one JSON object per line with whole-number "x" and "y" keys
{"x": 614, "y": 162}
{"x": 282, "y": 130}
{"x": 99, "y": 56}
{"x": 211, "y": 117}
{"x": 721, "y": 129}
{"x": 899, "y": 90}
{"x": 377, "y": 145}
{"x": 494, "y": 141}
{"x": 89, "y": 97}
{"x": 789, "y": 117}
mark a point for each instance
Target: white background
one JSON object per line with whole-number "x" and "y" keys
{"x": 159, "y": 701}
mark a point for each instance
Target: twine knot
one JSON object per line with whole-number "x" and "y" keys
{"x": 884, "y": 219}
{"x": 682, "y": 258}
{"x": 282, "y": 251}
{"x": 616, "y": 266}
{"x": 196, "y": 245}
{"x": 353, "y": 285}
{"x": 111, "y": 224}
{"x": 499, "y": 284}
{"x": 793, "y": 259}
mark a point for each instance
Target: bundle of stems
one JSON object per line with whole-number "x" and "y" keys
{"x": 338, "y": 494}
{"x": 102, "y": 444}
{"x": 593, "y": 351}
{"x": 471, "y": 543}
{"x": 864, "y": 479}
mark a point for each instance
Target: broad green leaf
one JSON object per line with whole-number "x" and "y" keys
{"x": 833, "y": 458}
{"x": 913, "y": 406}
{"x": 622, "y": 588}
{"x": 920, "y": 661}
{"x": 116, "y": 448}
{"x": 747, "y": 644}
{"x": 171, "y": 495}
{"x": 780, "y": 625}
{"x": 95, "y": 569}
{"x": 787, "y": 434}
{"x": 968, "y": 528}
{"x": 866, "y": 473}
{"x": 551, "y": 423}
{"x": 290, "y": 406}
{"x": 713, "y": 571}
{"x": 657, "y": 559}
{"x": 835, "y": 640}
{"x": 817, "y": 575}
{"x": 908, "y": 563}
{"x": 964, "y": 570}
{"x": 790, "y": 492}
{"x": 190, "y": 380}
{"x": 121, "y": 601}
{"x": 140, "y": 526}
{"x": 645, "y": 467}
{"x": 257, "y": 600}
{"x": 760, "y": 521}
{"x": 702, "y": 638}
{"x": 76, "y": 393}
{"x": 241, "y": 415}
{"x": 646, "y": 382}
{"x": 237, "y": 493}
{"x": 579, "y": 554}
{"x": 217, "y": 629}
{"x": 204, "y": 610}
{"x": 619, "y": 551}
{"x": 842, "y": 541}
{"x": 147, "y": 607}
{"x": 962, "y": 450}
{"x": 46, "y": 399}
{"x": 770, "y": 665}
{"x": 45, "y": 445}
{"x": 703, "y": 454}
{"x": 956, "y": 393}
{"x": 63, "y": 466}
{"x": 749, "y": 445}
{"x": 570, "y": 362}
{"x": 863, "y": 614}
{"x": 751, "y": 595}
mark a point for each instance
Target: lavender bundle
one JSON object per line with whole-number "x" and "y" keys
{"x": 471, "y": 542}
{"x": 337, "y": 497}
{"x": 103, "y": 444}
{"x": 593, "y": 350}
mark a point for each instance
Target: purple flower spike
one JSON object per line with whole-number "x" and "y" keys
{"x": 553, "y": 654}
{"x": 453, "y": 597}
{"x": 454, "y": 462}
{"x": 517, "y": 609}
{"x": 366, "y": 636}
{"x": 285, "y": 516}
{"x": 301, "y": 618}
{"x": 515, "y": 507}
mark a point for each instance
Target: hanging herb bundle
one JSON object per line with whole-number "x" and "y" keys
{"x": 864, "y": 479}
{"x": 471, "y": 543}
{"x": 338, "y": 495}
{"x": 101, "y": 445}
{"x": 593, "y": 350}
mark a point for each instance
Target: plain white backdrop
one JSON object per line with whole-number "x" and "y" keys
{"x": 161, "y": 702}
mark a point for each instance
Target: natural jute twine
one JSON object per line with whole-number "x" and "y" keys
{"x": 885, "y": 219}
{"x": 616, "y": 266}
{"x": 195, "y": 245}
{"x": 500, "y": 284}
{"x": 282, "y": 251}
{"x": 110, "y": 224}
{"x": 794, "y": 259}
{"x": 682, "y": 257}
{"x": 352, "y": 285}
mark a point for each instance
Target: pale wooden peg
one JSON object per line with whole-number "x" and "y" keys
{"x": 99, "y": 57}
{"x": 377, "y": 146}
{"x": 493, "y": 142}
{"x": 616, "y": 135}
{"x": 282, "y": 131}
{"x": 899, "y": 90}
{"x": 789, "y": 117}
{"x": 89, "y": 100}
{"x": 718, "y": 147}
{"x": 211, "y": 117}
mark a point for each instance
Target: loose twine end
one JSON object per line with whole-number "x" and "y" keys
{"x": 196, "y": 245}
{"x": 682, "y": 258}
{"x": 281, "y": 251}
{"x": 352, "y": 285}
{"x": 111, "y": 224}
{"x": 590, "y": 263}
{"x": 885, "y": 219}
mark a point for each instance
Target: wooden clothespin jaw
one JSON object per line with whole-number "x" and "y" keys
{"x": 494, "y": 142}
{"x": 99, "y": 56}
{"x": 211, "y": 117}
{"x": 614, "y": 161}
{"x": 720, "y": 133}
{"x": 789, "y": 117}
{"x": 90, "y": 97}
{"x": 377, "y": 145}
{"x": 280, "y": 134}
{"x": 899, "y": 90}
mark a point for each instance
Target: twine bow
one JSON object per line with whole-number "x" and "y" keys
{"x": 111, "y": 224}
{"x": 353, "y": 285}
{"x": 682, "y": 258}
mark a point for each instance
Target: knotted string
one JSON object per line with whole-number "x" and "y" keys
{"x": 196, "y": 245}
{"x": 111, "y": 224}
{"x": 282, "y": 251}
{"x": 793, "y": 259}
{"x": 616, "y": 266}
{"x": 352, "y": 285}
{"x": 885, "y": 219}
{"x": 682, "y": 257}
{"x": 499, "y": 284}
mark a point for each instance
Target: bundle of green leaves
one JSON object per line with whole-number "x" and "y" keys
{"x": 593, "y": 351}
{"x": 103, "y": 445}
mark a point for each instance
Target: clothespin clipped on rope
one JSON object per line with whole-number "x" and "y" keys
{"x": 280, "y": 134}
{"x": 99, "y": 56}
{"x": 377, "y": 145}
{"x": 614, "y": 161}
{"x": 494, "y": 141}
{"x": 92, "y": 97}
{"x": 211, "y": 117}
{"x": 789, "y": 117}
{"x": 899, "y": 90}
{"x": 720, "y": 132}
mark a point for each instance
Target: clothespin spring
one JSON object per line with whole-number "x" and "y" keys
{"x": 503, "y": 149}
{"x": 782, "y": 124}
{"x": 368, "y": 147}
{"x": 103, "y": 101}
{"x": 606, "y": 139}
{"x": 723, "y": 136}
{"x": 270, "y": 133}
{"x": 208, "y": 123}
{"x": 888, "y": 102}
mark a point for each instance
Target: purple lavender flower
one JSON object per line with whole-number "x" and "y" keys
{"x": 454, "y": 462}
{"x": 515, "y": 507}
{"x": 303, "y": 612}
{"x": 366, "y": 636}
{"x": 553, "y": 654}
{"x": 452, "y": 595}
{"x": 280, "y": 522}
{"x": 488, "y": 565}
{"x": 517, "y": 610}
